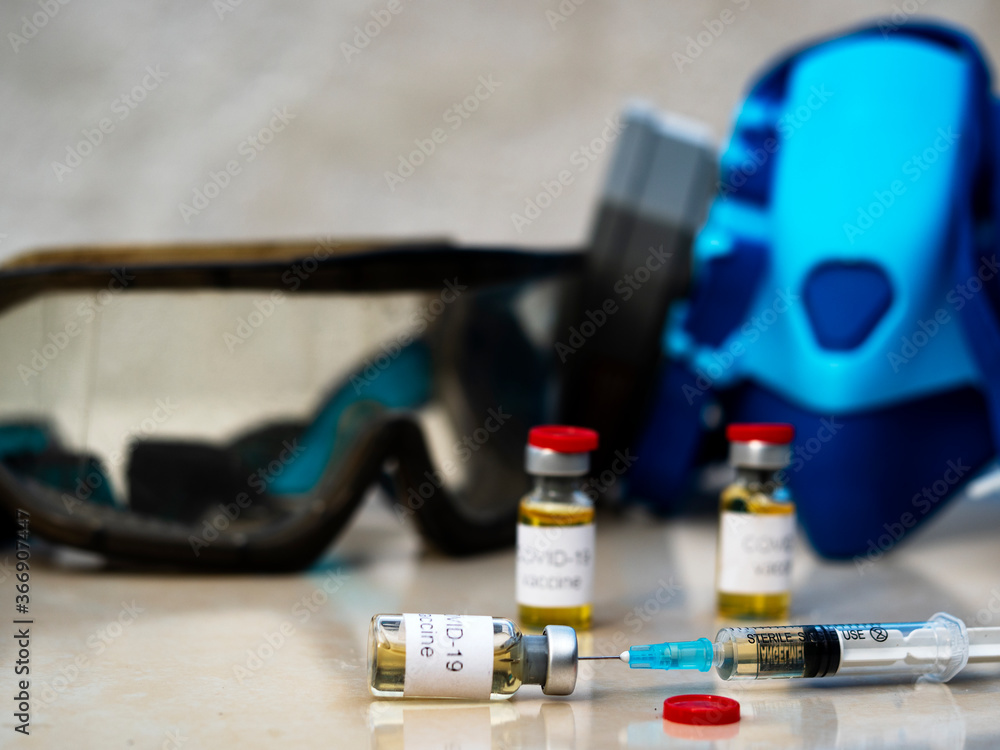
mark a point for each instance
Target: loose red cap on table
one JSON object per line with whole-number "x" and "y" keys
{"x": 563, "y": 438}
{"x": 765, "y": 432}
{"x": 701, "y": 709}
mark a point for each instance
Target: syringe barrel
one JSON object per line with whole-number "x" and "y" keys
{"x": 936, "y": 650}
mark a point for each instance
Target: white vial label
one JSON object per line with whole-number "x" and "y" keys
{"x": 755, "y": 552}
{"x": 448, "y": 656}
{"x": 555, "y": 565}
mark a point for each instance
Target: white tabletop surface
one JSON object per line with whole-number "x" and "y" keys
{"x": 123, "y": 659}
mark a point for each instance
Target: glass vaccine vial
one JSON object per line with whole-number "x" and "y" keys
{"x": 555, "y": 530}
{"x": 756, "y": 525}
{"x": 474, "y": 657}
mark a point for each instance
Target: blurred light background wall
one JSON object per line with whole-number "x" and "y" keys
{"x": 168, "y": 93}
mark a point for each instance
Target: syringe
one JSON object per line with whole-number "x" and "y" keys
{"x": 936, "y": 650}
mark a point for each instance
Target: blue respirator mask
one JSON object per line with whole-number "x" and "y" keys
{"x": 847, "y": 282}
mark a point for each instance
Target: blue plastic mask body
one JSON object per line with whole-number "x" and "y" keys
{"x": 863, "y": 176}
{"x": 827, "y": 284}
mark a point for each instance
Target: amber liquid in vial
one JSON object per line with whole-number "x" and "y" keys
{"x": 746, "y": 498}
{"x": 541, "y": 513}
{"x": 387, "y": 657}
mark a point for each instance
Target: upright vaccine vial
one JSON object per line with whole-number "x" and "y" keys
{"x": 756, "y": 525}
{"x": 555, "y": 531}
{"x": 474, "y": 657}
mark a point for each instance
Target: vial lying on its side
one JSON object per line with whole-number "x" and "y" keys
{"x": 474, "y": 657}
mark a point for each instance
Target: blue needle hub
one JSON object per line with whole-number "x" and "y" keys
{"x": 697, "y": 654}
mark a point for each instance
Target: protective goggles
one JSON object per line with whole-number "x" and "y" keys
{"x": 231, "y": 406}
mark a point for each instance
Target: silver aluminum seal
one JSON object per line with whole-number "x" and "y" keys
{"x": 563, "y": 659}
{"x": 756, "y": 454}
{"x": 552, "y": 463}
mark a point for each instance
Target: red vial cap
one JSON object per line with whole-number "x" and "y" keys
{"x": 701, "y": 709}
{"x": 765, "y": 432}
{"x": 563, "y": 438}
